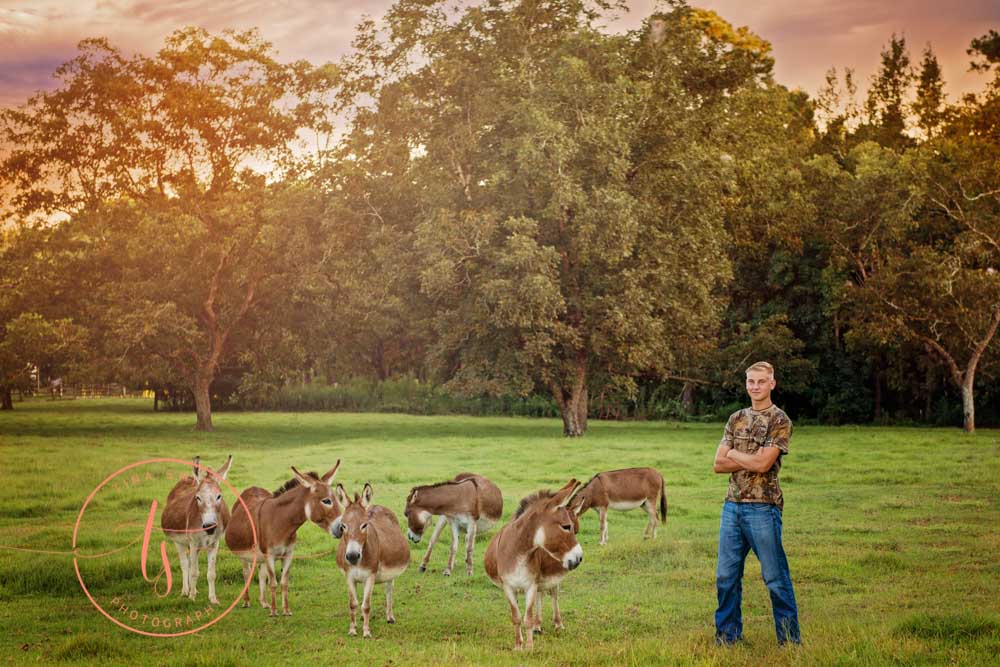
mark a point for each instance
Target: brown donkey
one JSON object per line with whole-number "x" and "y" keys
{"x": 194, "y": 518}
{"x": 372, "y": 550}
{"x": 470, "y": 501}
{"x": 277, "y": 517}
{"x": 552, "y": 570}
{"x": 511, "y": 562}
{"x": 624, "y": 490}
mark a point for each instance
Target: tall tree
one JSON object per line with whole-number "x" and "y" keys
{"x": 887, "y": 103}
{"x": 153, "y": 157}
{"x": 929, "y": 105}
{"x": 569, "y": 186}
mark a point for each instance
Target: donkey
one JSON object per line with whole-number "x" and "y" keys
{"x": 469, "y": 500}
{"x": 194, "y": 518}
{"x": 511, "y": 562}
{"x": 552, "y": 570}
{"x": 277, "y": 517}
{"x": 372, "y": 550}
{"x": 624, "y": 490}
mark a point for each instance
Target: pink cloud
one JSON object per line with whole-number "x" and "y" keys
{"x": 808, "y": 36}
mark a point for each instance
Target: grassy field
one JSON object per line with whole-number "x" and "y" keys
{"x": 892, "y": 536}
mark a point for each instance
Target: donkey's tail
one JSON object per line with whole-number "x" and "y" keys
{"x": 663, "y": 500}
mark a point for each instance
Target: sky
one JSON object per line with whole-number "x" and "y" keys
{"x": 808, "y": 36}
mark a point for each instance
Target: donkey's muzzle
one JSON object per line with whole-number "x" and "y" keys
{"x": 413, "y": 536}
{"x": 353, "y": 557}
{"x": 209, "y": 528}
{"x": 573, "y": 559}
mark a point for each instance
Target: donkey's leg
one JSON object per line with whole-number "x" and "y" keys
{"x": 366, "y": 606}
{"x": 602, "y": 512}
{"x": 650, "y": 507}
{"x": 352, "y": 603}
{"x": 262, "y": 580}
{"x": 286, "y": 565}
{"x": 454, "y": 548}
{"x": 515, "y": 615}
{"x": 529, "y": 601}
{"x": 537, "y": 629}
{"x": 556, "y": 616}
{"x": 470, "y": 546}
{"x": 247, "y": 578}
{"x": 272, "y": 579}
{"x": 389, "y": 618}
{"x": 183, "y": 557}
{"x": 193, "y": 571}
{"x": 430, "y": 544}
{"x": 213, "y": 552}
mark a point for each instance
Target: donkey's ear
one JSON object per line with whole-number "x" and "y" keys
{"x": 304, "y": 480}
{"x": 413, "y": 497}
{"x": 562, "y": 497}
{"x": 331, "y": 472}
{"x": 224, "y": 470}
{"x": 366, "y": 495}
{"x": 576, "y": 503}
{"x": 197, "y": 471}
{"x": 341, "y": 494}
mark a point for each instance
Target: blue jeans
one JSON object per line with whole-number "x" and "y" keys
{"x": 756, "y": 526}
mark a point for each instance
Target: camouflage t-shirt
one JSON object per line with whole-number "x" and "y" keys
{"x": 747, "y": 431}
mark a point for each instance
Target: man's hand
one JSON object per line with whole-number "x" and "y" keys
{"x": 759, "y": 461}
{"x": 724, "y": 464}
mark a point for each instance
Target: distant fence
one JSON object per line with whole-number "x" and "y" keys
{"x": 96, "y": 391}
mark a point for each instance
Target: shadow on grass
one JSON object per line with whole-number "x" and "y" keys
{"x": 108, "y": 418}
{"x": 953, "y": 628}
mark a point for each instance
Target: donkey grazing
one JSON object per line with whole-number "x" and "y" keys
{"x": 470, "y": 501}
{"x": 552, "y": 570}
{"x": 277, "y": 517}
{"x": 372, "y": 550}
{"x": 194, "y": 518}
{"x": 624, "y": 490}
{"x": 512, "y": 558}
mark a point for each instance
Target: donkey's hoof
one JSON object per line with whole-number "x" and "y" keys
{"x": 422, "y": 568}
{"x": 447, "y": 573}
{"x": 353, "y": 632}
{"x": 367, "y": 634}
{"x": 214, "y": 600}
{"x": 288, "y": 613}
{"x": 273, "y": 614}
{"x": 245, "y": 605}
{"x": 391, "y": 619}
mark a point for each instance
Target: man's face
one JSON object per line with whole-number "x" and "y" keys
{"x": 759, "y": 385}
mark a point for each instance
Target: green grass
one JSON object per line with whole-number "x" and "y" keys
{"x": 892, "y": 535}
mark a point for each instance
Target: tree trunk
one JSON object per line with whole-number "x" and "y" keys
{"x": 6, "y": 400}
{"x": 878, "y": 395}
{"x": 203, "y": 404}
{"x": 573, "y": 408}
{"x": 968, "y": 406}
{"x": 687, "y": 397}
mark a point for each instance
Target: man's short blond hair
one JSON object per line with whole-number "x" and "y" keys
{"x": 762, "y": 366}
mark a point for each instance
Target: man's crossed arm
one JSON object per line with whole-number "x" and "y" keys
{"x": 729, "y": 460}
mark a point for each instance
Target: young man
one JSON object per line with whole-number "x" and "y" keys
{"x": 755, "y": 440}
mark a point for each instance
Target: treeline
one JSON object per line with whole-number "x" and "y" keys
{"x": 506, "y": 206}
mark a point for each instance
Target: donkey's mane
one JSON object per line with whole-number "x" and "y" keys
{"x": 528, "y": 501}
{"x": 444, "y": 483}
{"x": 604, "y": 471}
{"x": 292, "y": 483}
